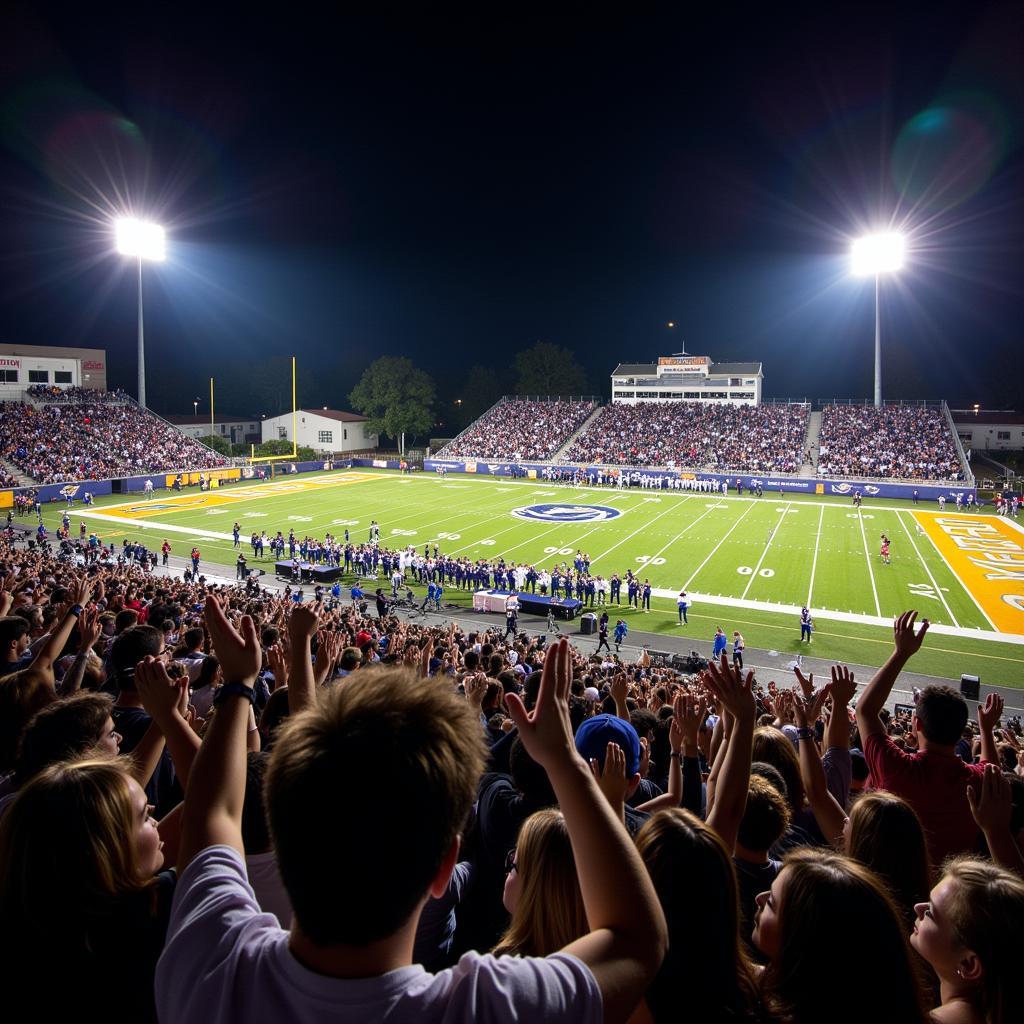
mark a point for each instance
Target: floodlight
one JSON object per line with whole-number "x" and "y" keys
{"x": 140, "y": 238}
{"x": 877, "y": 254}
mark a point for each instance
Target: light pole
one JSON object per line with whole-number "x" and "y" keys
{"x": 144, "y": 241}
{"x": 872, "y": 256}
{"x": 195, "y": 406}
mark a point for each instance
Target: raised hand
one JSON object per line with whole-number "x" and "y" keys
{"x": 688, "y": 717}
{"x": 476, "y": 689}
{"x": 160, "y": 694}
{"x": 302, "y": 623}
{"x": 619, "y": 688}
{"x": 734, "y": 691}
{"x": 808, "y": 709}
{"x": 277, "y": 659}
{"x": 611, "y": 779}
{"x": 240, "y": 654}
{"x": 990, "y": 712}
{"x": 908, "y": 643}
{"x": 806, "y": 682}
{"x": 546, "y": 731}
{"x": 81, "y": 591}
{"x": 89, "y": 628}
{"x": 991, "y": 800}
{"x": 843, "y": 687}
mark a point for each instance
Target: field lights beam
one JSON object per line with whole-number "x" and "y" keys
{"x": 872, "y": 256}
{"x": 142, "y": 240}
{"x": 877, "y": 254}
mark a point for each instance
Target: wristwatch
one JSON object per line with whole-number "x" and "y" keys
{"x": 76, "y": 610}
{"x": 234, "y": 690}
{"x": 805, "y": 734}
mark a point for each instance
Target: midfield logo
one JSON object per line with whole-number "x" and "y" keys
{"x": 551, "y": 513}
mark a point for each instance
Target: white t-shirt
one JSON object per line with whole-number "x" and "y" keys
{"x": 226, "y": 961}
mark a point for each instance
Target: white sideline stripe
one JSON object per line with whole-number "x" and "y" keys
{"x": 867, "y": 620}
{"x": 814, "y": 564}
{"x": 142, "y": 524}
{"x": 938, "y": 591}
{"x": 760, "y": 561}
{"x": 717, "y": 546}
{"x": 867, "y": 558}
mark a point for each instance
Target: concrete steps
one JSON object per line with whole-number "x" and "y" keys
{"x": 809, "y": 469}
{"x": 583, "y": 426}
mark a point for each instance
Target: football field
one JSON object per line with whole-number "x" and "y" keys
{"x": 748, "y": 563}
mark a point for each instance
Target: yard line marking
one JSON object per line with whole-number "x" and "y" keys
{"x": 706, "y": 512}
{"x": 814, "y": 564}
{"x": 867, "y": 558}
{"x": 760, "y": 561}
{"x": 749, "y": 508}
{"x": 645, "y": 526}
{"x": 938, "y": 591}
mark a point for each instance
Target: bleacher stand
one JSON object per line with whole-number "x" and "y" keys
{"x": 93, "y": 436}
{"x": 519, "y": 429}
{"x": 755, "y": 439}
{"x": 905, "y": 442}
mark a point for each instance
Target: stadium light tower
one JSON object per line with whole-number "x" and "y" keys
{"x": 144, "y": 241}
{"x": 874, "y": 255}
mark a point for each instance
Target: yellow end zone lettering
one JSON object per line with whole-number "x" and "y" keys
{"x": 987, "y": 556}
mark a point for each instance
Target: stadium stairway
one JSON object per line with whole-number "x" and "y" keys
{"x": 23, "y": 479}
{"x": 583, "y": 426}
{"x": 811, "y": 443}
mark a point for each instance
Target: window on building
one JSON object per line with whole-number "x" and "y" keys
{"x": 61, "y": 376}
{"x": 344, "y": 433}
{"x": 625, "y": 394}
{"x": 325, "y": 437}
{"x": 1002, "y": 435}
{"x": 8, "y": 376}
{"x": 282, "y": 433}
{"x": 965, "y": 436}
{"x": 39, "y": 376}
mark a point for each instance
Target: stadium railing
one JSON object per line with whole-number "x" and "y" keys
{"x": 964, "y": 461}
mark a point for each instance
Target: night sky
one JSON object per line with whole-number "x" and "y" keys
{"x": 456, "y": 188}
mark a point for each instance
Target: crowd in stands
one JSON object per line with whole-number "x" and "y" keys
{"x": 755, "y": 439}
{"x": 905, "y": 442}
{"x": 59, "y": 442}
{"x": 550, "y": 834}
{"x": 74, "y": 393}
{"x": 519, "y": 430}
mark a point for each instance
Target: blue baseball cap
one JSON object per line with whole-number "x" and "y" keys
{"x": 594, "y": 735}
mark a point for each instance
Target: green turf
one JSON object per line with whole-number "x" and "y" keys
{"x": 790, "y": 551}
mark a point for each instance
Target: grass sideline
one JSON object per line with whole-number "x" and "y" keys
{"x": 771, "y": 550}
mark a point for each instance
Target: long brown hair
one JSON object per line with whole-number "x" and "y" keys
{"x": 694, "y": 877}
{"x": 886, "y": 836}
{"x": 986, "y": 909}
{"x": 549, "y": 914}
{"x": 834, "y": 911}
{"x": 775, "y": 748}
{"x": 67, "y": 857}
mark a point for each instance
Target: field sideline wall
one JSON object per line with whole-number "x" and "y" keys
{"x": 802, "y": 485}
{"x": 126, "y": 485}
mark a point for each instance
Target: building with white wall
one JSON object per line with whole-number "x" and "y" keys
{"x": 235, "y": 429}
{"x": 684, "y": 377}
{"x": 21, "y": 366}
{"x": 989, "y": 431}
{"x": 324, "y": 430}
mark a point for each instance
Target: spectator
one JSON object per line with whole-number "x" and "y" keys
{"x": 907, "y": 442}
{"x": 519, "y": 429}
{"x": 969, "y": 932}
{"x": 755, "y": 439}
{"x": 823, "y": 910}
{"x": 541, "y": 892}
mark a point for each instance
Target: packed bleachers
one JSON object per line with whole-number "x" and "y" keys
{"x": 79, "y": 438}
{"x": 518, "y": 430}
{"x": 74, "y": 393}
{"x": 756, "y": 439}
{"x": 255, "y": 727}
{"x": 906, "y": 442}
